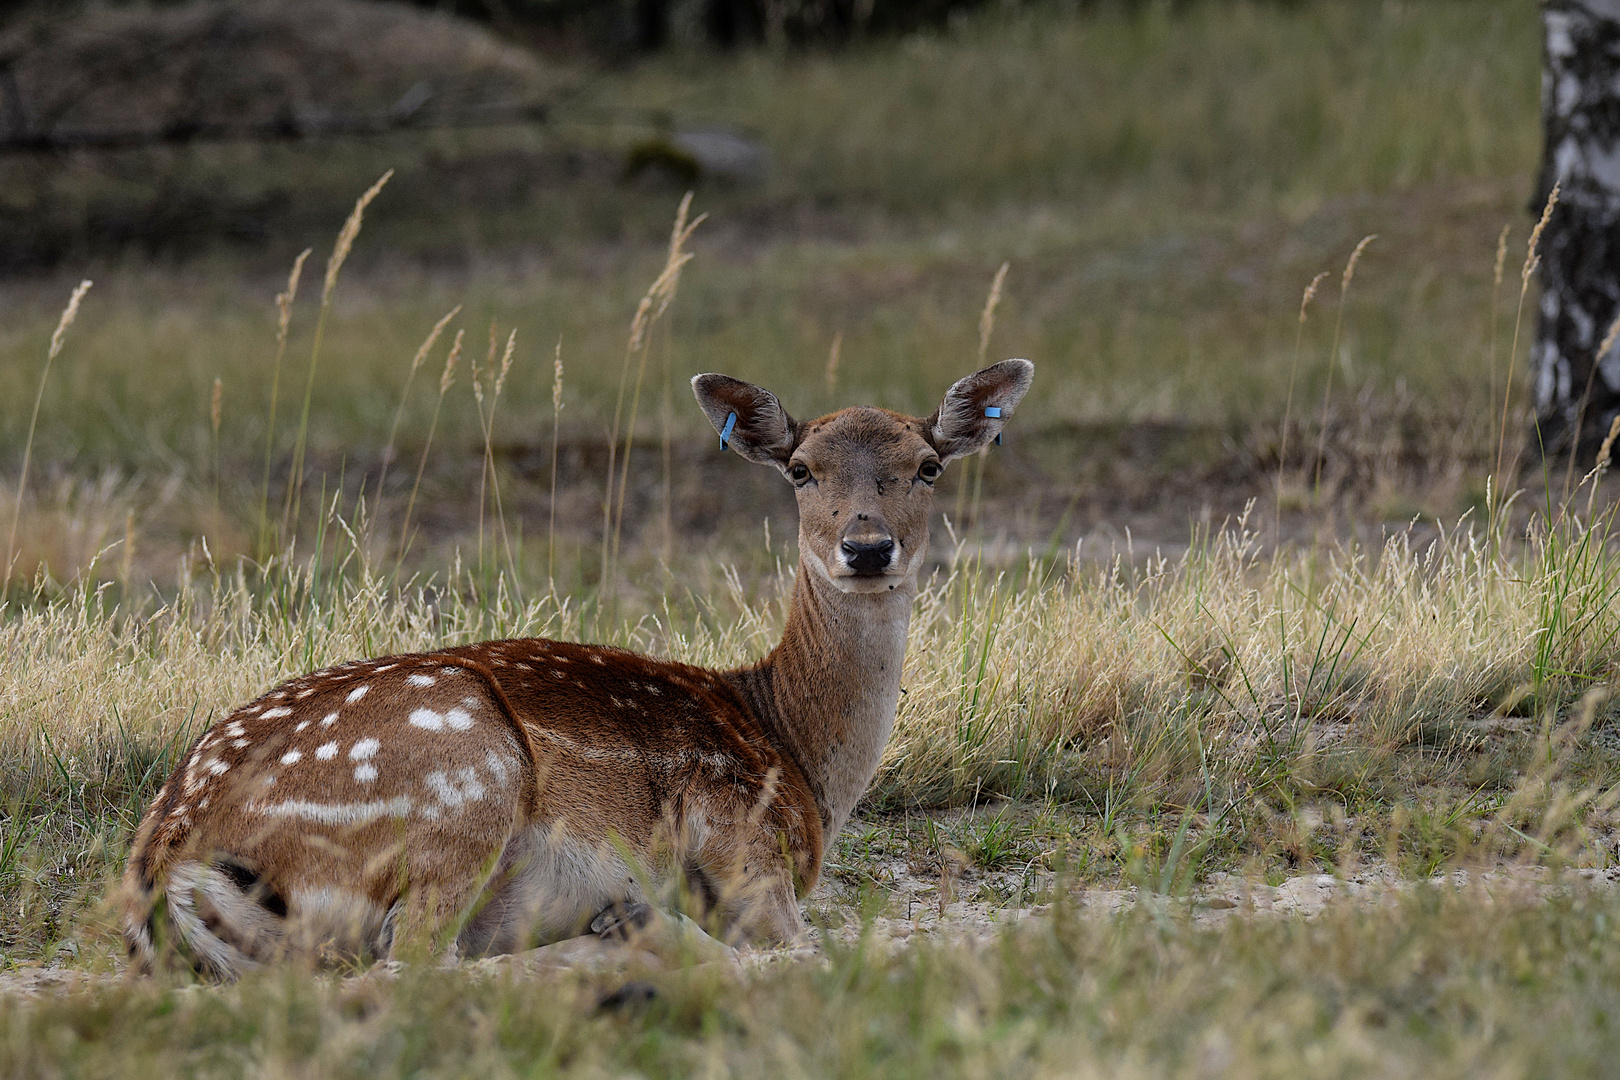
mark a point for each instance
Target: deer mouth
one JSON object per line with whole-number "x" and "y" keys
{"x": 867, "y": 567}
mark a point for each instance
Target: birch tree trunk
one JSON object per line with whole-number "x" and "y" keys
{"x": 1577, "y": 393}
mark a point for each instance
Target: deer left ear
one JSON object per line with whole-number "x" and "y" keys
{"x": 976, "y": 408}
{"x": 749, "y": 419}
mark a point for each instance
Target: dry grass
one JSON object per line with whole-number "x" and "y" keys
{"x": 1228, "y": 690}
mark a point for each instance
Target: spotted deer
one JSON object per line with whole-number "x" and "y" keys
{"x": 488, "y": 798}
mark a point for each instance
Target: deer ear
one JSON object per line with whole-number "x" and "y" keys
{"x": 976, "y": 408}
{"x": 749, "y": 419}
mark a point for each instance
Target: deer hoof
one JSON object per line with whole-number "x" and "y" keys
{"x": 618, "y": 921}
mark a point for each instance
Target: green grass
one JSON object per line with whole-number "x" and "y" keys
{"x": 1163, "y": 186}
{"x": 1231, "y": 105}
{"x": 1435, "y": 985}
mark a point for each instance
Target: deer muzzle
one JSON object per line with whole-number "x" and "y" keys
{"x": 867, "y": 546}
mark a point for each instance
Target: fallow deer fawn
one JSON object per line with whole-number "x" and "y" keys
{"x": 491, "y": 797}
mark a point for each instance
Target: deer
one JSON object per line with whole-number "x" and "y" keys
{"x": 490, "y": 798}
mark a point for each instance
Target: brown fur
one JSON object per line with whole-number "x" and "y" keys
{"x": 494, "y": 796}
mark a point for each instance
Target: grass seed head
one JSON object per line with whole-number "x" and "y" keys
{"x": 69, "y": 313}
{"x": 987, "y": 319}
{"x": 1350, "y": 265}
{"x": 506, "y": 361}
{"x": 284, "y": 300}
{"x": 557, "y": 379}
{"x": 432, "y": 338}
{"x": 1532, "y": 258}
{"x": 350, "y": 230}
{"x": 1310, "y": 293}
{"x": 448, "y": 379}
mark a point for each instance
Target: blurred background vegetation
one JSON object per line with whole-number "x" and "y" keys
{"x": 1163, "y": 180}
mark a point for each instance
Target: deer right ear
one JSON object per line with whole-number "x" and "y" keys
{"x": 749, "y": 419}
{"x": 977, "y": 407}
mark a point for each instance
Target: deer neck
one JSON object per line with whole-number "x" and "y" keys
{"x": 827, "y": 694}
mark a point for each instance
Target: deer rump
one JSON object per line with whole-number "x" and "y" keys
{"x": 402, "y": 799}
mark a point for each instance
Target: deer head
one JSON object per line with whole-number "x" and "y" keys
{"x": 864, "y": 477}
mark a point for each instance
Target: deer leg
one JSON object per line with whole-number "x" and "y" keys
{"x": 756, "y": 901}
{"x": 431, "y": 915}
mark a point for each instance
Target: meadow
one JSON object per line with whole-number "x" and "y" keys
{"x": 1255, "y": 590}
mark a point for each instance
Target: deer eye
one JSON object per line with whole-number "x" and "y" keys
{"x": 930, "y": 471}
{"x": 798, "y": 473}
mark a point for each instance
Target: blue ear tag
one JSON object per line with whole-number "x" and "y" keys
{"x": 994, "y": 413}
{"x": 725, "y": 432}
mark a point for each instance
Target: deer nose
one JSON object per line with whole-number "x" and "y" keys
{"x": 867, "y": 557}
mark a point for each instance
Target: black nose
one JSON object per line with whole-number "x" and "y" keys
{"x": 868, "y": 558}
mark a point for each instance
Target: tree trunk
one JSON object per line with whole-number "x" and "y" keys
{"x": 1577, "y": 393}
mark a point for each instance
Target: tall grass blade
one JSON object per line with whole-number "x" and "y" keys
{"x": 334, "y": 266}
{"x": 1333, "y": 355}
{"x": 69, "y": 313}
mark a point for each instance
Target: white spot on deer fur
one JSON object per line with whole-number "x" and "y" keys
{"x": 384, "y": 667}
{"x": 364, "y": 749}
{"x": 274, "y": 714}
{"x": 326, "y": 751}
{"x": 217, "y": 767}
{"x": 421, "y": 680}
{"x": 202, "y": 803}
{"x": 329, "y": 719}
{"x": 452, "y": 793}
{"x": 597, "y": 658}
{"x": 235, "y": 729}
{"x": 358, "y": 692}
{"x": 338, "y": 813}
{"x": 426, "y": 719}
{"x": 291, "y": 757}
{"x": 365, "y": 772}
{"x": 497, "y": 766}
{"x": 304, "y": 693}
{"x": 459, "y": 719}
{"x": 239, "y": 743}
{"x": 556, "y": 674}
{"x": 302, "y": 724}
